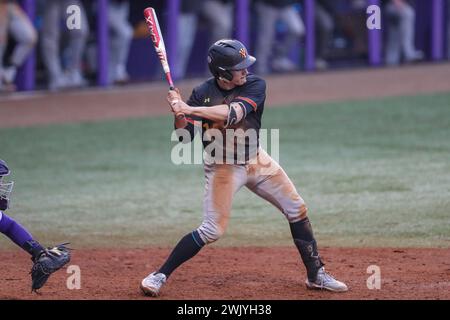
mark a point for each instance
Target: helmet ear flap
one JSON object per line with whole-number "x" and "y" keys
{"x": 219, "y": 72}
{"x": 225, "y": 74}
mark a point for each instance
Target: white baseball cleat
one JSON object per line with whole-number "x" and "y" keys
{"x": 327, "y": 282}
{"x": 152, "y": 284}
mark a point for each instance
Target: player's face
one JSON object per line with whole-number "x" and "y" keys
{"x": 239, "y": 77}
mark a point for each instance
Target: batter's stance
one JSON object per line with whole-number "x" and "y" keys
{"x": 234, "y": 99}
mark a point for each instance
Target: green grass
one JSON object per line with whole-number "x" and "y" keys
{"x": 373, "y": 173}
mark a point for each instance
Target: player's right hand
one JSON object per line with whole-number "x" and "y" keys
{"x": 173, "y": 97}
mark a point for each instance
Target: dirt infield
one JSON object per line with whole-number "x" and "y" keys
{"x": 238, "y": 273}
{"x": 29, "y": 109}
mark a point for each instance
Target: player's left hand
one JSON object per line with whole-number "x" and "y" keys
{"x": 181, "y": 107}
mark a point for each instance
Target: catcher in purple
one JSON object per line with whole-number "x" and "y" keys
{"x": 45, "y": 260}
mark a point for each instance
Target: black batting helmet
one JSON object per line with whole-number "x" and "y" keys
{"x": 226, "y": 55}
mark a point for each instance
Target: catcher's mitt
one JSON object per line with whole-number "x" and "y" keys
{"x": 47, "y": 262}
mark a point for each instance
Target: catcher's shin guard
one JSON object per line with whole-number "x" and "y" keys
{"x": 33, "y": 247}
{"x": 310, "y": 256}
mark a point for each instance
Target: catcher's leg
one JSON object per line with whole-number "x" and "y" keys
{"x": 275, "y": 186}
{"x": 222, "y": 181}
{"x": 19, "y": 235}
{"x": 45, "y": 261}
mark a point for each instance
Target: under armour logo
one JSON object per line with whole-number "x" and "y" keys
{"x": 207, "y": 100}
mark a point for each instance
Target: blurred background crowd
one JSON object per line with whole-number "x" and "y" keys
{"x": 36, "y": 44}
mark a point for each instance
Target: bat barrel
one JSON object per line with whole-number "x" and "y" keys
{"x": 155, "y": 32}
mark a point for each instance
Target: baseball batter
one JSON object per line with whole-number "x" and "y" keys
{"x": 233, "y": 100}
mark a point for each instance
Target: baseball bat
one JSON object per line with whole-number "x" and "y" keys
{"x": 158, "y": 43}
